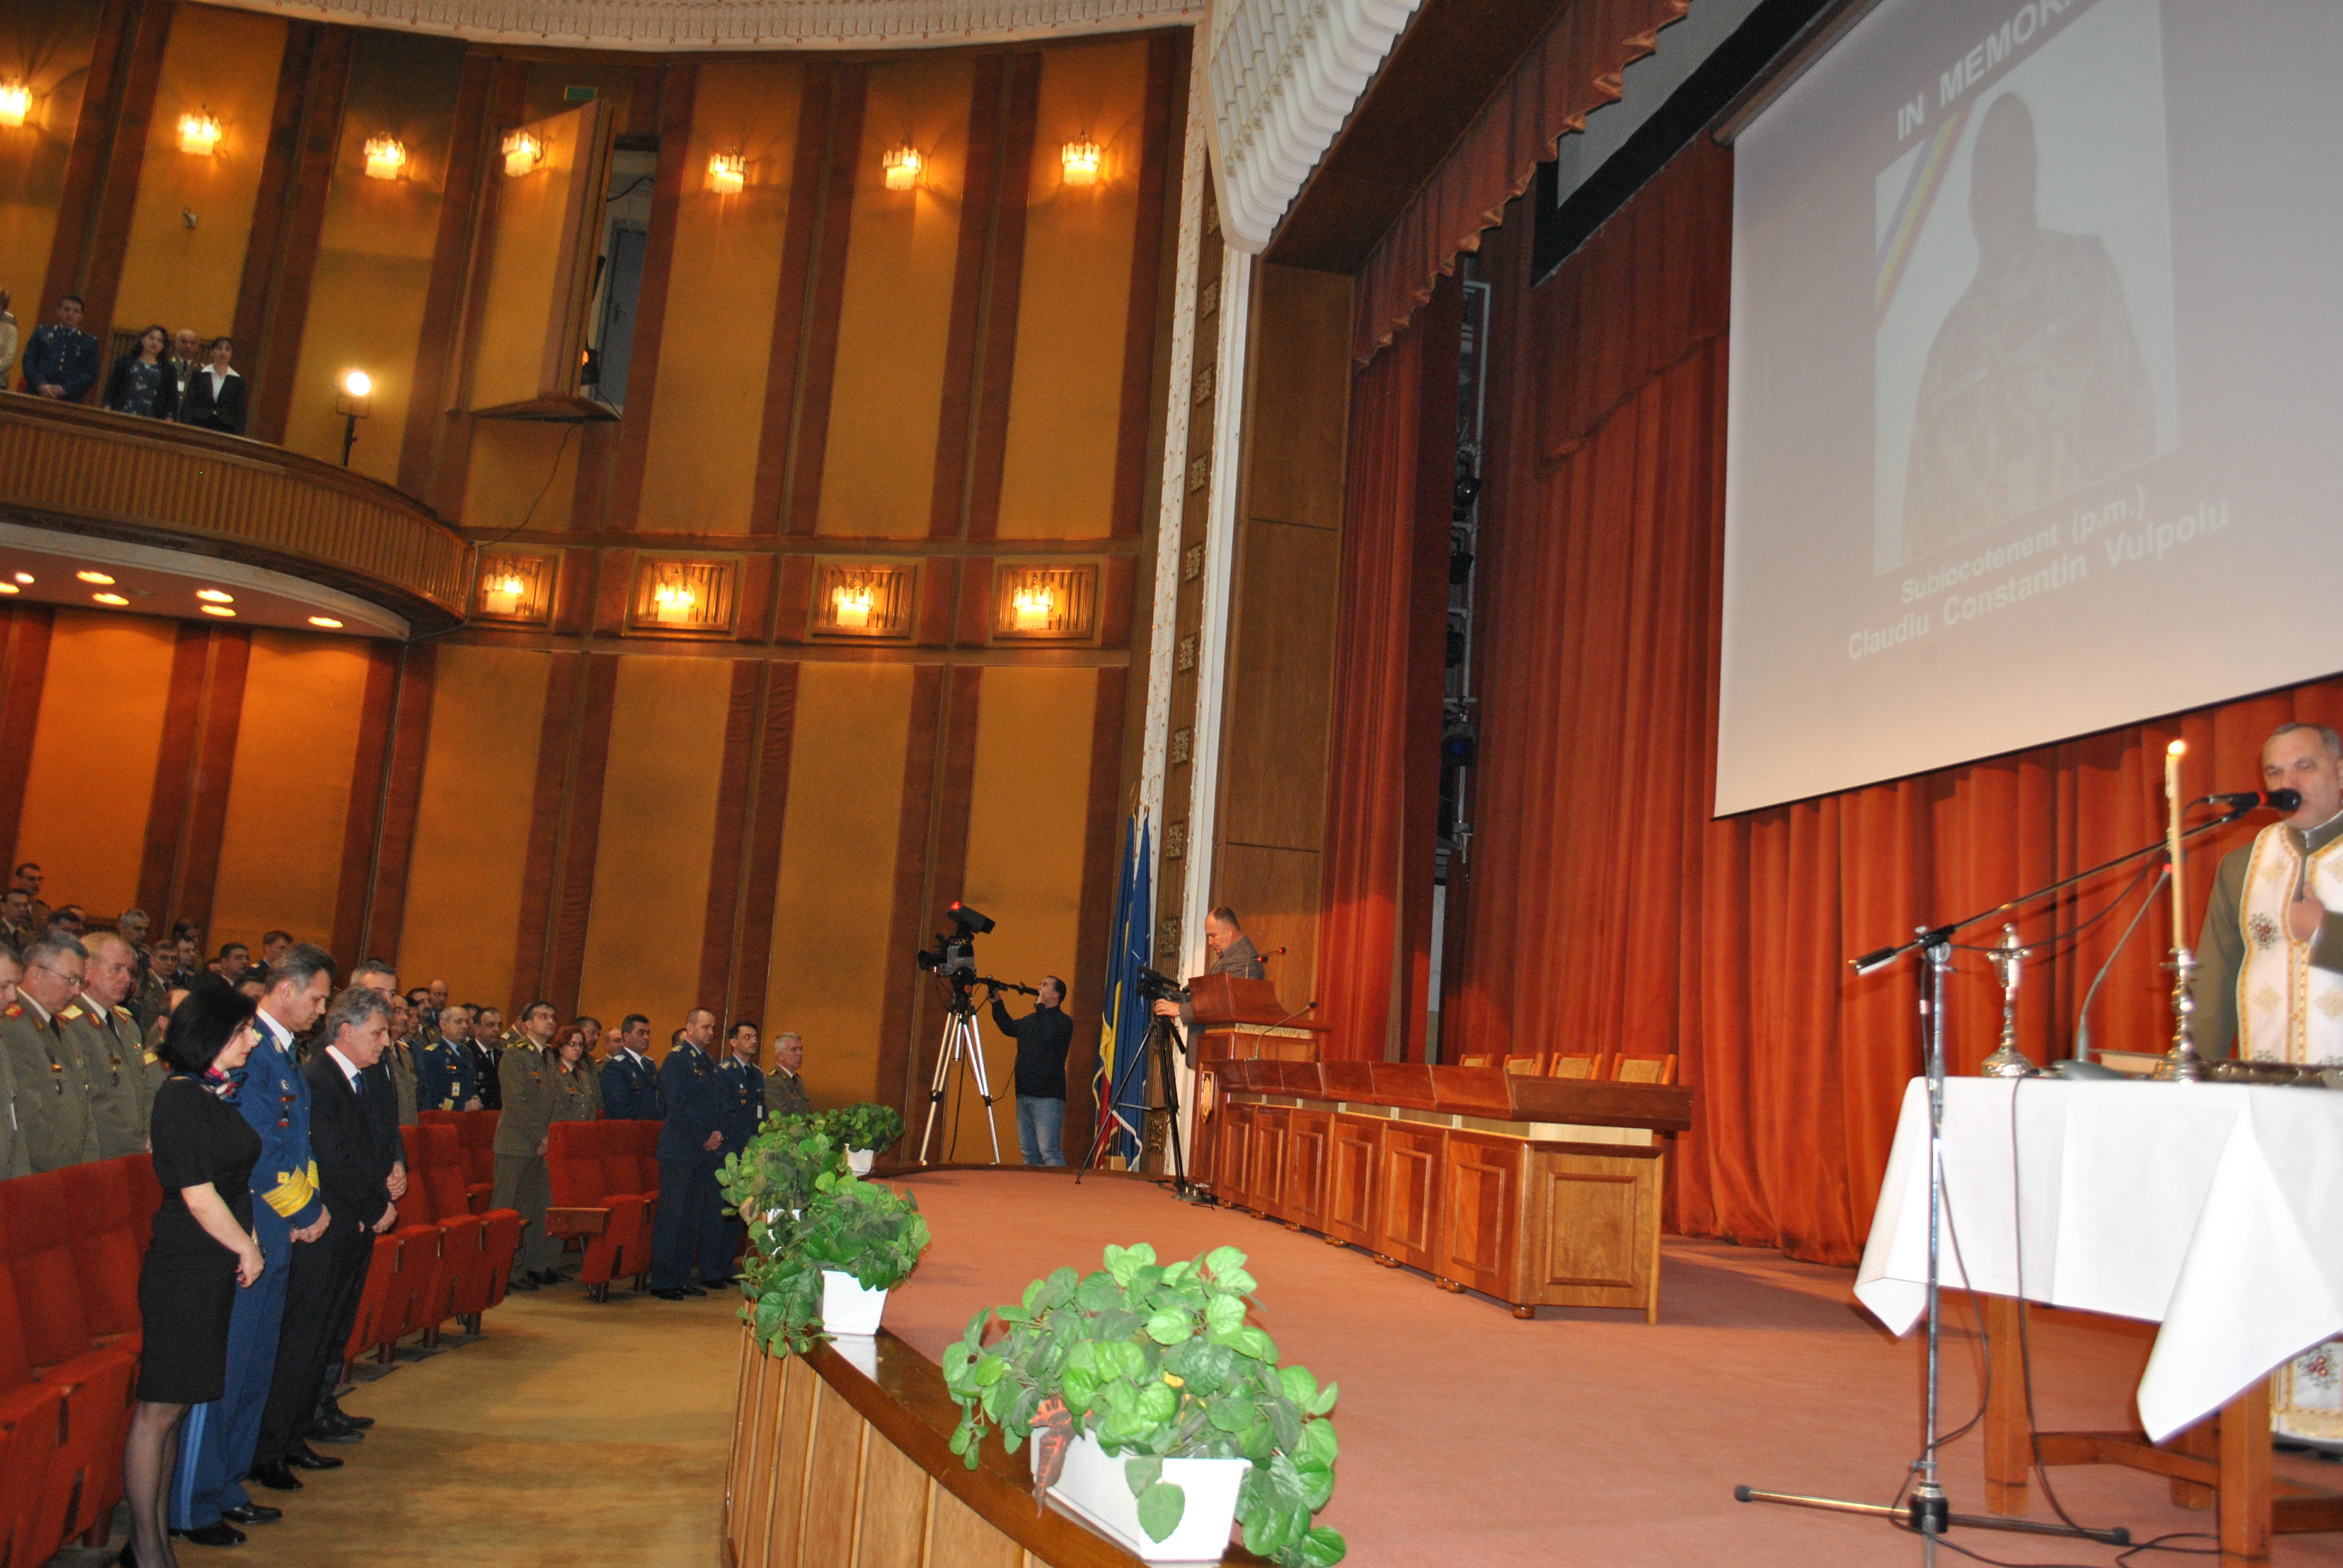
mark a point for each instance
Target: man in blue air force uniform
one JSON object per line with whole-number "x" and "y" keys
{"x": 215, "y": 1448}
{"x": 690, "y": 1222}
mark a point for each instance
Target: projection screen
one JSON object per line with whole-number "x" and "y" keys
{"x": 2037, "y": 396}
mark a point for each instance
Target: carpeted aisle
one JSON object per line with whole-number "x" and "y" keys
{"x": 569, "y": 1433}
{"x": 1587, "y": 1437}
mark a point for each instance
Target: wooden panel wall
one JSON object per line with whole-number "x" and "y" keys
{"x": 764, "y": 820}
{"x": 45, "y": 44}
{"x": 92, "y": 755}
{"x": 1272, "y": 823}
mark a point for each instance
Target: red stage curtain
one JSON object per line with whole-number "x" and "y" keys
{"x": 1603, "y": 908}
{"x": 1384, "y": 758}
{"x": 1575, "y": 68}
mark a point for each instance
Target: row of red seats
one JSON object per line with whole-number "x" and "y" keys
{"x": 604, "y": 1177}
{"x": 71, "y": 1244}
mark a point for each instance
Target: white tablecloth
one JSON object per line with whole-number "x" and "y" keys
{"x": 2215, "y": 1209}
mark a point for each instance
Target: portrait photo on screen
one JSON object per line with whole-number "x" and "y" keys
{"x": 2026, "y": 349}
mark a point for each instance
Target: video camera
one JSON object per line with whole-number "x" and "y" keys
{"x": 953, "y": 958}
{"x": 1156, "y": 986}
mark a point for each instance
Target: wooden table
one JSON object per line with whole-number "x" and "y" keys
{"x": 1539, "y": 1191}
{"x": 2222, "y": 1462}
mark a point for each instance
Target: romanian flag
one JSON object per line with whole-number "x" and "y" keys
{"x": 1119, "y": 1088}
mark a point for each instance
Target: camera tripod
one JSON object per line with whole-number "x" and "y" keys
{"x": 961, "y": 1045}
{"x": 1163, "y": 1037}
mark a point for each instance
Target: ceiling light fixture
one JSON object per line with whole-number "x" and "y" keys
{"x": 10, "y": 588}
{"x": 218, "y": 610}
{"x": 199, "y": 133}
{"x": 727, "y": 172}
{"x": 24, "y": 577}
{"x": 16, "y": 101}
{"x": 1034, "y": 605}
{"x": 851, "y": 606}
{"x": 214, "y": 595}
{"x": 385, "y": 156}
{"x": 1081, "y": 157}
{"x": 329, "y": 622}
{"x": 902, "y": 166}
{"x": 112, "y": 598}
{"x": 100, "y": 578}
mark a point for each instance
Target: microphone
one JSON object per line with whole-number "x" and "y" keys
{"x": 2254, "y": 799}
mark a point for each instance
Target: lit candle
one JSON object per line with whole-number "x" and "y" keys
{"x": 2172, "y": 754}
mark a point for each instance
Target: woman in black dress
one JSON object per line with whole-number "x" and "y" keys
{"x": 142, "y": 382}
{"x": 203, "y": 1249}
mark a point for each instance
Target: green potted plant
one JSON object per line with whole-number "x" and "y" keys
{"x": 770, "y": 1182}
{"x": 864, "y": 1129}
{"x": 851, "y": 1243}
{"x": 1154, "y": 1365}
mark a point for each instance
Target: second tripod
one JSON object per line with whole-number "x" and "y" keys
{"x": 960, "y": 1047}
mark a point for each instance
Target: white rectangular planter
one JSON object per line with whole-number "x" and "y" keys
{"x": 846, "y": 1308}
{"x": 858, "y": 1160}
{"x": 1092, "y": 1487}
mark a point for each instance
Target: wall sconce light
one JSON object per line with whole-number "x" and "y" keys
{"x": 15, "y": 103}
{"x": 727, "y": 172}
{"x": 1033, "y": 607}
{"x": 672, "y": 599}
{"x": 1080, "y": 158}
{"x": 523, "y": 153}
{"x": 199, "y": 133}
{"x": 902, "y": 166}
{"x": 851, "y": 605}
{"x": 352, "y": 402}
{"x": 385, "y": 158}
{"x": 501, "y": 595}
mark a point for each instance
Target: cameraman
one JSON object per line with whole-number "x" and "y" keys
{"x": 1042, "y": 1037}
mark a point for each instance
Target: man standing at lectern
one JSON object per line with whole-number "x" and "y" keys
{"x": 1232, "y": 954}
{"x": 2269, "y": 976}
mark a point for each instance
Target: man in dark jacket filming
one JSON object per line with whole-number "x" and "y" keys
{"x": 1042, "y": 1037}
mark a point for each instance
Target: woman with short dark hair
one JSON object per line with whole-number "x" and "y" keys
{"x": 212, "y": 398}
{"x": 142, "y": 382}
{"x": 203, "y": 1248}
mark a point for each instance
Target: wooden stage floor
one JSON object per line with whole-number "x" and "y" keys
{"x": 1587, "y": 1437}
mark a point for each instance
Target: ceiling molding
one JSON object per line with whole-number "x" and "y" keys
{"x": 1285, "y": 75}
{"x": 687, "y": 26}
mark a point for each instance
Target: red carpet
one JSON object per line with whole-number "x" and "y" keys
{"x": 1588, "y": 1437}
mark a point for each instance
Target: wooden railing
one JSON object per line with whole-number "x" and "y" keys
{"x": 86, "y": 470}
{"x": 834, "y": 1462}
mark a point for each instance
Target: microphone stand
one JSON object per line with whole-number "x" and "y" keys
{"x": 1929, "y": 1512}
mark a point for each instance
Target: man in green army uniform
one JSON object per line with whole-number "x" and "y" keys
{"x": 51, "y": 1097}
{"x": 150, "y": 988}
{"x": 13, "y": 1160}
{"x": 112, "y": 1050}
{"x": 523, "y": 1184}
{"x": 2035, "y": 385}
{"x": 400, "y": 1058}
{"x": 785, "y": 1091}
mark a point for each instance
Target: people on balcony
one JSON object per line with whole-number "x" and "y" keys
{"x": 61, "y": 361}
{"x": 143, "y": 383}
{"x": 212, "y": 397}
{"x": 7, "y": 338}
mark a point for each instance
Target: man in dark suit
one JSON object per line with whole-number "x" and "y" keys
{"x": 630, "y": 1080}
{"x": 321, "y": 1297}
{"x": 487, "y": 1053}
{"x": 61, "y": 362}
{"x": 211, "y": 396}
{"x": 691, "y": 1222}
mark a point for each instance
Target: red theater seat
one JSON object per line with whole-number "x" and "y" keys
{"x": 476, "y": 1132}
{"x": 51, "y": 1341}
{"x": 598, "y": 1197}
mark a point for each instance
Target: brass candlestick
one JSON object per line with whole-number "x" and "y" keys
{"x": 2181, "y": 1064}
{"x": 2007, "y": 958}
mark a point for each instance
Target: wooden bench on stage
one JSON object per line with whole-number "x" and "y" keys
{"x": 844, "y": 1456}
{"x": 1540, "y": 1192}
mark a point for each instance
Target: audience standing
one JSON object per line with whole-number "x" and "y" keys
{"x": 209, "y": 1499}
{"x": 53, "y": 1098}
{"x": 487, "y": 1050}
{"x": 61, "y": 362}
{"x": 203, "y": 1251}
{"x": 689, "y": 1225}
{"x": 142, "y": 382}
{"x": 742, "y": 1085}
{"x": 212, "y": 396}
{"x": 785, "y": 1091}
{"x": 7, "y": 337}
{"x": 522, "y": 1130}
{"x": 630, "y": 1080}
{"x": 444, "y": 1078}
{"x": 112, "y": 1054}
{"x": 15, "y": 1158}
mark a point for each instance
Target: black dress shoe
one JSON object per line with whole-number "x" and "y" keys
{"x": 334, "y": 1433}
{"x": 252, "y": 1513}
{"x": 275, "y": 1475}
{"x": 693, "y": 1291}
{"x": 673, "y": 1294}
{"x": 725, "y": 1283}
{"x": 520, "y": 1282}
{"x": 346, "y": 1418}
{"x": 307, "y": 1458}
{"x": 545, "y": 1277}
{"x": 218, "y": 1532}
